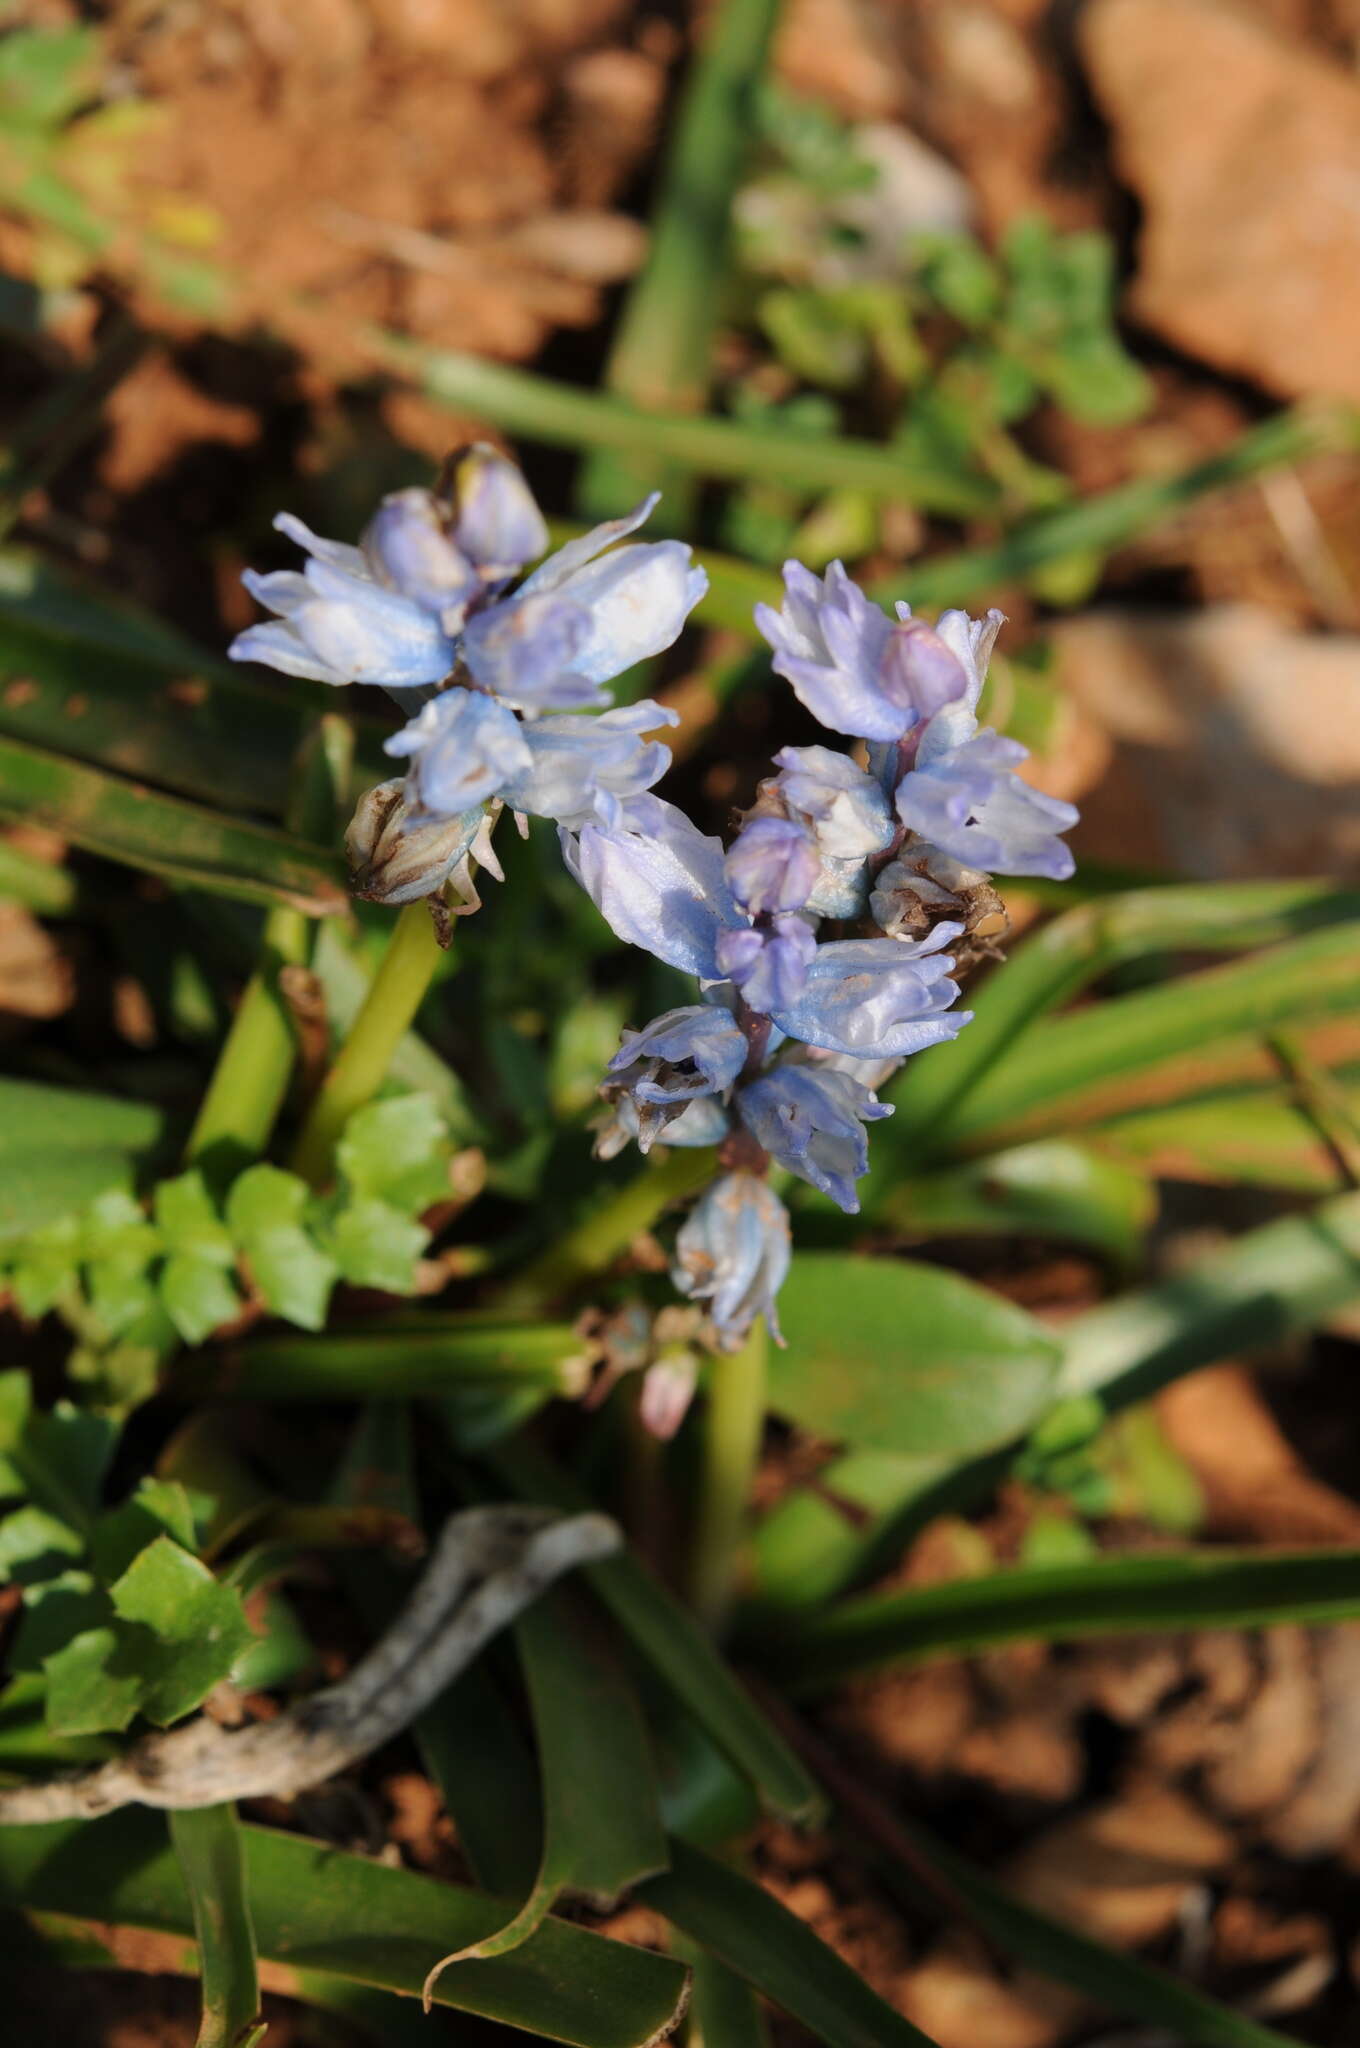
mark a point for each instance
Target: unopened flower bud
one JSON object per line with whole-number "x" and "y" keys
{"x": 394, "y": 861}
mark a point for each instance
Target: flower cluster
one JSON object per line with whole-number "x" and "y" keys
{"x": 825, "y": 937}
{"x": 505, "y": 683}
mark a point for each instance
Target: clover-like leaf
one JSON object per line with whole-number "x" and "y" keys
{"x": 197, "y": 1295}
{"x": 376, "y": 1246}
{"x": 187, "y": 1629}
{"x": 264, "y": 1212}
{"x": 398, "y": 1151}
{"x": 158, "y": 1507}
{"x": 35, "y": 1545}
{"x": 189, "y": 1222}
{"x": 92, "y": 1689}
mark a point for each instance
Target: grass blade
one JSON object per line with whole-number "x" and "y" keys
{"x": 1106, "y": 1596}
{"x": 1074, "y": 1067}
{"x": 142, "y": 828}
{"x": 318, "y": 1908}
{"x": 1067, "y": 955}
{"x": 207, "y": 1841}
{"x": 390, "y": 1364}
{"x": 660, "y": 356}
{"x": 752, "y": 1935}
{"x": 1054, "y": 1189}
{"x": 666, "y": 1635}
{"x": 1259, "y": 1137}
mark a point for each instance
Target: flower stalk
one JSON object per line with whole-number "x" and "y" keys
{"x": 733, "y": 1429}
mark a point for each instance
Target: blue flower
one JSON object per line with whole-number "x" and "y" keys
{"x": 463, "y": 749}
{"x": 496, "y": 524}
{"x": 964, "y": 796}
{"x": 772, "y": 865}
{"x": 768, "y": 962}
{"x": 844, "y": 808}
{"x": 584, "y": 617}
{"x": 688, "y": 1053}
{"x": 857, "y": 670}
{"x": 585, "y": 769}
{"x": 733, "y": 1252}
{"x": 877, "y": 998}
{"x": 406, "y": 546}
{"x": 337, "y": 623}
{"x": 659, "y": 882}
{"x": 811, "y": 1120}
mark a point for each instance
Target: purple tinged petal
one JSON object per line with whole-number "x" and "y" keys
{"x": 773, "y": 864}
{"x": 877, "y": 998}
{"x": 658, "y": 882}
{"x": 968, "y": 801}
{"x": 497, "y": 524}
{"x": 573, "y": 555}
{"x": 770, "y": 973}
{"x": 407, "y": 548}
{"x": 811, "y": 1121}
{"x": 695, "y": 1050}
{"x": 845, "y": 807}
{"x": 584, "y": 768}
{"x": 733, "y": 1252}
{"x": 463, "y": 749}
{"x": 829, "y": 642}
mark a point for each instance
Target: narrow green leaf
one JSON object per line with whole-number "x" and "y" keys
{"x": 1185, "y": 1589}
{"x": 1067, "y": 955}
{"x": 601, "y": 1824}
{"x": 724, "y": 2012}
{"x": 906, "y": 1357}
{"x": 752, "y": 1935}
{"x": 393, "y": 1362}
{"x": 1071, "y": 1070}
{"x": 207, "y": 1842}
{"x": 666, "y": 1635}
{"x": 1247, "y": 1136}
{"x": 317, "y": 1908}
{"x": 1053, "y": 1188}
{"x": 188, "y": 843}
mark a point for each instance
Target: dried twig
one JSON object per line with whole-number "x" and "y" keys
{"x": 489, "y": 1565}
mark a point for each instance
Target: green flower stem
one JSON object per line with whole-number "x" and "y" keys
{"x": 253, "y": 1069}
{"x": 733, "y": 1427}
{"x": 594, "y": 1244}
{"x": 398, "y": 988}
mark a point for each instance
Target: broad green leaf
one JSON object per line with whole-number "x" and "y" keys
{"x": 1070, "y": 1071}
{"x": 187, "y": 843}
{"x": 41, "y": 1187}
{"x": 680, "y": 1653}
{"x": 601, "y": 1824}
{"x": 159, "y": 1507}
{"x": 58, "y": 1456}
{"x": 1063, "y": 957}
{"x": 375, "y": 1245}
{"x": 317, "y": 1908}
{"x": 189, "y": 1221}
{"x": 1287, "y": 1276}
{"x": 906, "y": 1357}
{"x": 197, "y": 1295}
{"x": 1053, "y": 1189}
{"x": 1184, "y": 1589}
{"x": 45, "y": 73}
{"x": 395, "y": 1362}
{"x": 90, "y": 1690}
{"x": 187, "y": 1629}
{"x": 264, "y": 1212}
{"x": 207, "y": 1843}
{"x": 397, "y": 1151}
{"x": 35, "y": 1546}
{"x": 1120, "y": 1984}
{"x": 762, "y": 1942}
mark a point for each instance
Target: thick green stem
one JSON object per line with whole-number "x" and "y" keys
{"x": 396, "y": 993}
{"x": 733, "y": 1426}
{"x": 253, "y": 1069}
{"x": 606, "y": 1232}
{"x": 208, "y": 1844}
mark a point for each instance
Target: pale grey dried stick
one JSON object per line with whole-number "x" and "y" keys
{"x": 489, "y": 1565}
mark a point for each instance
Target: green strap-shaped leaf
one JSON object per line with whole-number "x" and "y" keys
{"x": 143, "y": 828}
{"x": 1070, "y": 1071}
{"x": 1053, "y": 1189}
{"x": 908, "y": 1358}
{"x": 207, "y": 1841}
{"x": 601, "y": 1821}
{"x": 1061, "y": 1603}
{"x": 392, "y": 1364}
{"x": 664, "y": 1632}
{"x": 317, "y": 1908}
{"x": 1056, "y": 962}
{"x": 752, "y": 1935}
{"x": 1255, "y": 1136}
